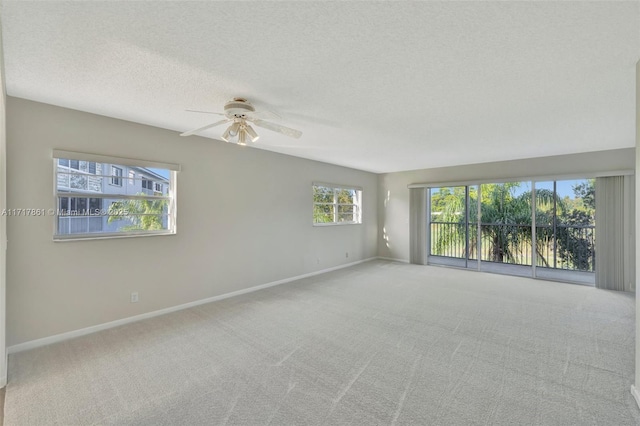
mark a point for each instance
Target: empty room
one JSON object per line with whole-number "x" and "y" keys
{"x": 319, "y": 213}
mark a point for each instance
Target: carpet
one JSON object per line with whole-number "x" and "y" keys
{"x": 380, "y": 343}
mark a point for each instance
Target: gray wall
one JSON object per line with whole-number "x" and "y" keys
{"x": 637, "y": 161}
{"x": 393, "y": 209}
{"x": 3, "y": 220}
{"x": 244, "y": 219}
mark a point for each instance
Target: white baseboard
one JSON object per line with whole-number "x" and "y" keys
{"x": 32, "y": 344}
{"x": 636, "y": 394}
{"x": 391, "y": 259}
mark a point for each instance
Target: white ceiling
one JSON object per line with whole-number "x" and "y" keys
{"x": 384, "y": 86}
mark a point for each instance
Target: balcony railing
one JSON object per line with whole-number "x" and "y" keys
{"x": 569, "y": 247}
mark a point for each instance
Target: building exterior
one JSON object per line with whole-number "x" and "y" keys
{"x": 80, "y": 213}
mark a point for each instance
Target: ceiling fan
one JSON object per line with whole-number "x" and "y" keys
{"x": 240, "y": 113}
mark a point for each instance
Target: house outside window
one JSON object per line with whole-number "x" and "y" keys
{"x": 93, "y": 204}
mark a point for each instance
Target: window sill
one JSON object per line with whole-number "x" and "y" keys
{"x": 91, "y": 237}
{"x": 337, "y": 224}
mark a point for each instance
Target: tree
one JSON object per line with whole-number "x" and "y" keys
{"x": 322, "y": 213}
{"x": 506, "y": 220}
{"x": 448, "y": 211}
{"x": 574, "y": 233}
{"x": 144, "y": 215}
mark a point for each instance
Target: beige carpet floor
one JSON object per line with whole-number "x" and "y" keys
{"x": 378, "y": 343}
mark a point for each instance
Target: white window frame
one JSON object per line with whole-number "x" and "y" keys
{"x": 116, "y": 179}
{"x": 357, "y": 205}
{"x": 171, "y": 195}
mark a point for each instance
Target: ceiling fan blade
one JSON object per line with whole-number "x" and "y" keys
{"x": 266, "y": 114}
{"x": 208, "y": 126}
{"x": 204, "y": 112}
{"x": 277, "y": 128}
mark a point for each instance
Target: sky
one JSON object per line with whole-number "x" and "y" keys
{"x": 162, "y": 172}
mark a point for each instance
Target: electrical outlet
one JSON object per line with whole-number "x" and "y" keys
{"x": 346, "y": 254}
{"x": 134, "y": 297}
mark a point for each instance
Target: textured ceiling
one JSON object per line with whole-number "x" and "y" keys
{"x": 382, "y": 86}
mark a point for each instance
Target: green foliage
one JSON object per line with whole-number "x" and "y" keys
{"x": 506, "y": 223}
{"x": 575, "y": 239}
{"x": 586, "y": 192}
{"x": 143, "y": 215}
{"x": 504, "y": 213}
{"x": 327, "y": 200}
{"x": 322, "y": 213}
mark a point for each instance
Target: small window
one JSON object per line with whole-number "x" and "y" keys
{"x": 92, "y": 203}
{"x": 147, "y": 184}
{"x": 158, "y": 187}
{"x": 116, "y": 176}
{"x": 336, "y": 205}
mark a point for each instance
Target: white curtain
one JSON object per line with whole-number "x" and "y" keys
{"x": 418, "y": 225}
{"x": 613, "y": 262}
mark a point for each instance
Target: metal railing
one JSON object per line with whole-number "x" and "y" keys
{"x": 570, "y": 247}
{"x": 573, "y": 247}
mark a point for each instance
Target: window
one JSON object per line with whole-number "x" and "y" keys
{"x": 132, "y": 177}
{"x": 79, "y": 206}
{"x": 92, "y": 203}
{"x": 147, "y": 184}
{"x": 158, "y": 187}
{"x": 336, "y": 205}
{"x": 116, "y": 176}
{"x": 540, "y": 228}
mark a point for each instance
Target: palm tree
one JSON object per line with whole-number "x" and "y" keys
{"x": 449, "y": 206}
{"x": 505, "y": 226}
{"x": 144, "y": 215}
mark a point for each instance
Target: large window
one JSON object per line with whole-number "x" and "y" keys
{"x": 336, "y": 205}
{"x": 94, "y": 200}
{"x": 550, "y": 234}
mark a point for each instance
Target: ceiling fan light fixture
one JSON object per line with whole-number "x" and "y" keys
{"x": 252, "y": 133}
{"x": 225, "y": 135}
{"x": 239, "y": 112}
{"x": 242, "y": 137}
{"x": 234, "y": 128}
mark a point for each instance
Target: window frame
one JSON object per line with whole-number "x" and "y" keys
{"x": 337, "y": 188}
{"x": 170, "y": 196}
{"x": 116, "y": 179}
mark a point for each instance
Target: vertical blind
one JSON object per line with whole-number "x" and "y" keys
{"x": 418, "y": 226}
{"x": 611, "y": 262}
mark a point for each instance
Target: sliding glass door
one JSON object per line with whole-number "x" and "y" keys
{"x": 449, "y": 228}
{"x": 505, "y": 223}
{"x": 540, "y": 229}
{"x": 565, "y": 229}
